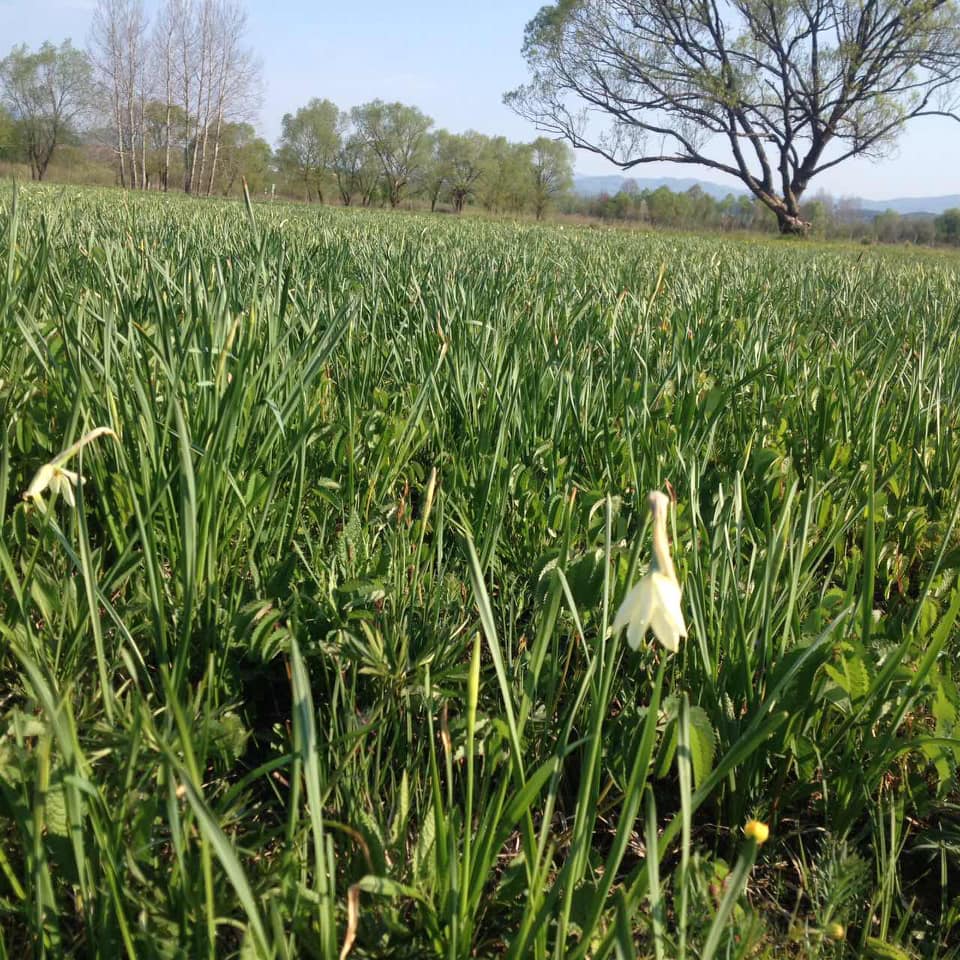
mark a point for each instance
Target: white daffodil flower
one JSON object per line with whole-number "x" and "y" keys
{"x": 653, "y": 603}
{"x": 55, "y": 477}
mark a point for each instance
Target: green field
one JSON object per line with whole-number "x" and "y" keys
{"x": 320, "y": 662}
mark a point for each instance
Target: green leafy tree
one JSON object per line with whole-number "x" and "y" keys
{"x": 456, "y": 165}
{"x": 8, "y": 136}
{"x": 505, "y": 182}
{"x": 552, "y": 169}
{"x": 947, "y": 226}
{"x": 358, "y": 171}
{"x": 398, "y": 135}
{"x": 46, "y": 93}
{"x": 463, "y": 156}
{"x": 310, "y": 144}
{"x": 773, "y": 93}
{"x": 243, "y": 155}
{"x": 886, "y": 226}
{"x": 163, "y": 124}
{"x": 436, "y": 171}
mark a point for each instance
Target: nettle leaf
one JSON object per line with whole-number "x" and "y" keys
{"x": 858, "y": 676}
{"x": 669, "y": 712}
{"x": 943, "y": 756}
{"x": 703, "y": 741}
{"x": 56, "y": 820}
{"x": 703, "y": 744}
{"x": 373, "y": 835}
{"x": 545, "y": 574}
{"x": 852, "y": 675}
{"x": 423, "y": 850}
{"x": 585, "y": 577}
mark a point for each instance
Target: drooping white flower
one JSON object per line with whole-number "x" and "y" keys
{"x": 55, "y": 477}
{"x": 653, "y": 603}
{"x": 58, "y": 479}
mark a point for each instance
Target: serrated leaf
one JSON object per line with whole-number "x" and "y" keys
{"x": 56, "y": 809}
{"x": 398, "y": 825}
{"x": 374, "y": 837}
{"x": 423, "y": 850}
{"x": 857, "y": 674}
{"x": 703, "y": 744}
{"x": 877, "y": 949}
{"x": 585, "y": 577}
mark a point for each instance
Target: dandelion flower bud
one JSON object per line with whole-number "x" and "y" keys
{"x": 757, "y": 831}
{"x": 836, "y": 931}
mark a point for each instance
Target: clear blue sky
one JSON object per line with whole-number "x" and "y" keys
{"x": 454, "y": 60}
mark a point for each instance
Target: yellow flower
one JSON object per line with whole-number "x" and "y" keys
{"x": 836, "y": 931}
{"x": 654, "y": 601}
{"x": 758, "y": 831}
{"x": 56, "y": 478}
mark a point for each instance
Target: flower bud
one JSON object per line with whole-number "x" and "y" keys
{"x": 836, "y": 931}
{"x": 757, "y": 831}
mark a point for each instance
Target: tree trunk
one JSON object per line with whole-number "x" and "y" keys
{"x": 133, "y": 138}
{"x": 142, "y": 121}
{"x": 119, "y": 119}
{"x": 216, "y": 148}
{"x": 165, "y": 178}
{"x": 792, "y": 225}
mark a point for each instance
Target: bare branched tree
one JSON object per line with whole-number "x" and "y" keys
{"x": 163, "y": 58}
{"x": 206, "y": 79}
{"x": 118, "y": 50}
{"x": 236, "y": 78}
{"x": 772, "y": 92}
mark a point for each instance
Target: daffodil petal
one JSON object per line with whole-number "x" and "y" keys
{"x": 654, "y": 602}
{"x": 39, "y": 483}
{"x": 66, "y": 488}
{"x": 669, "y": 595}
{"x": 665, "y": 629}
{"x": 635, "y": 612}
{"x": 625, "y": 612}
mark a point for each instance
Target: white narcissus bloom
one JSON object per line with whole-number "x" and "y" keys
{"x": 58, "y": 479}
{"x": 654, "y": 602}
{"x": 55, "y": 477}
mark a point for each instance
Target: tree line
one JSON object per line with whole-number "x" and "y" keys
{"x": 829, "y": 218}
{"x": 155, "y": 97}
{"x": 384, "y": 152}
{"x": 169, "y": 103}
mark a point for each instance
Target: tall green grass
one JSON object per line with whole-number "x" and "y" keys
{"x": 321, "y": 662}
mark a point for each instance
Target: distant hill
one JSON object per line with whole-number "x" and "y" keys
{"x": 613, "y": 183}
{"x": 931, "y": 205}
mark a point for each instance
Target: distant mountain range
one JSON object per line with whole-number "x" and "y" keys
{"x": 930, "y": 205}
{"x": 613, "y": 183}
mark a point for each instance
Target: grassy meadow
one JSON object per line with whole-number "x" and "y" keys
{"x": 320, "y": 664}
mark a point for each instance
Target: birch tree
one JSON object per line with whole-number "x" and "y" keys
{"x": 118, "y": 48}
